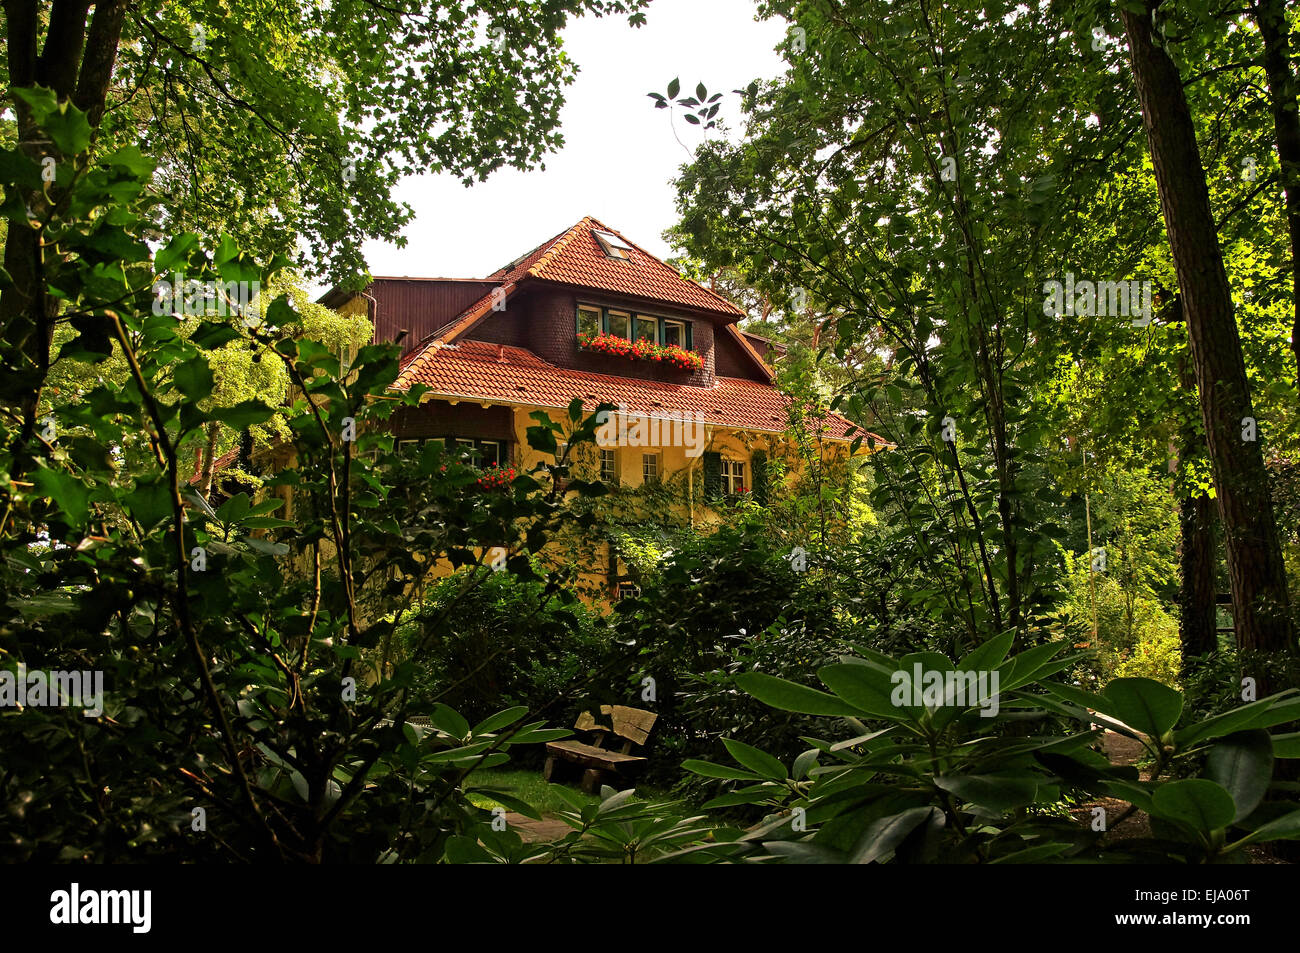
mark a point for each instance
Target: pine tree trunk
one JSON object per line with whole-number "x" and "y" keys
{"x": 1197, "y": 596}
{"x": 1261, "y": 610}
{"x": 1270, "y": 17}
{"x": 1197, "y": 631}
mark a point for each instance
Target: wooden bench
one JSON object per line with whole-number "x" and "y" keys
{"x": 601, "y": 764}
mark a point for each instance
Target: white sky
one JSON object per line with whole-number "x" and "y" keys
{"x": 619, "y": 151}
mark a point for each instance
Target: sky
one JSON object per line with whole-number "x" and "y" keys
{"x": 619, "y": 153}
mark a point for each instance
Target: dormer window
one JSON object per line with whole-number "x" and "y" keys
{"x": 618, "y": 323}
{"x": 588, "y": 320}
{"x": 647, "y": 329}
{"x": 674, "y": 332}
{"x": 612, "y": 245}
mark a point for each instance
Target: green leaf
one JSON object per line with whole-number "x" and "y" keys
{"x": 1144, "y": 704}
{"x": 710, "y": 770}
{"x": 233, "y": 510}
{"x": 754, "y": 794}
{"x": 1255, "y": 714}
{"x": 133, "y": 160}
{"x": 865, "y": 687}
{"x": 886, "y": 833}
{"x": 500, "y": 720}
{"x": 449, "y": 720}
{"x": 1200, "y": 804}
{"x": 194, "y": 378}
{"x": 69, "y": 129}
{"x": 212, "y": 334}
{"x": 997, "y": 791}
{"x": 754, "y": 759}
{"x": 175, "y": 252}
{"x": 465, "y": 850}
{"x": 508, "y": 801}
{"x": 68, "y": 493}
{"x": 989, "y": 655}
{"x": 244, "y": 414}
{"x": 674, "y": 88}
{"x": 1286, "y": 827}
{"x": 1243, "y": 765}
{"x": 1287, "y": 745}
{"x": 790, "y": 696}
{"x": 1032, "y": 855}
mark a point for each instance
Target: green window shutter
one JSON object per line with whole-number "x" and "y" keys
{"x": 758, "y": 480}
{"x": 712, "y": 476}
{"x": 690, "y": 344}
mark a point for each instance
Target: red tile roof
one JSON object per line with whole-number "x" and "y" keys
{"x": 478, "y": 370}
{"x": 574, "y": 257}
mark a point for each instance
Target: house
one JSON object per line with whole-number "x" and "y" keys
{"x": 591, "y": 315}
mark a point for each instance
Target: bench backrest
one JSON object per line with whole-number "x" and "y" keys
{"x": 631, "y": 724}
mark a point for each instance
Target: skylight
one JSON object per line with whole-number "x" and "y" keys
{"x": 613, "y": 246}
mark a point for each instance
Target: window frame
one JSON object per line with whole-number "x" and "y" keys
{"x": 591, "y": 309}
{"x": 614, "y": 247}
{"x": 613, "y": 462}
{"x": 665, "y": 323}
{"x": 628, "y": 316}
{"x": 660, "y": 324}
{"x": 646, "y": 460}
{"x": 478, "y": 448}
{"x": 654, "y": 322}
{"x": 733, "y": 476}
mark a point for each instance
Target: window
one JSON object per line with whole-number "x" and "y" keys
{"x": 483, "y": 453}
{"x": 646, "y": 328}
{"x": 733, "y": 476}
{"x": 619, "y": 324}
{"x": 629, "y": 590}
{"x": 588, "y": 320}
{"x": 608, "y": 467}
{"x": 675, "y": 333}
{"x": 650, "y": 467}
{"x": 409, "y": 446}
{"x": 612, "y": 245}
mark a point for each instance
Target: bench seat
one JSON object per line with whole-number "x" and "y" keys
{"x": 591, "y": 756}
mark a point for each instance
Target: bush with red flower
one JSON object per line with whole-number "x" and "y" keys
{"x": 496, "y": 477}
{"x": 642, "y": 350}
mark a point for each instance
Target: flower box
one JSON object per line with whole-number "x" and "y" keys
{"x": 615, "y": 346}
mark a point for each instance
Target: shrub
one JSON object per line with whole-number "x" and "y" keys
{"x": 508, "y": 642}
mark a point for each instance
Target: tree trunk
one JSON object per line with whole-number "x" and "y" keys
{"x": 209, "y": 459}
{"x": 1197, "y": 596}
{"x": 1197, "y": 631}
{"x": 1270, "y": 17}
{"x": 1261, "y": 608}
{"x": 27, "y": 313}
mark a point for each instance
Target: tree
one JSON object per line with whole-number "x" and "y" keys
{"x": 318, "y": 110}
{"x": 1261, "y": 607}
